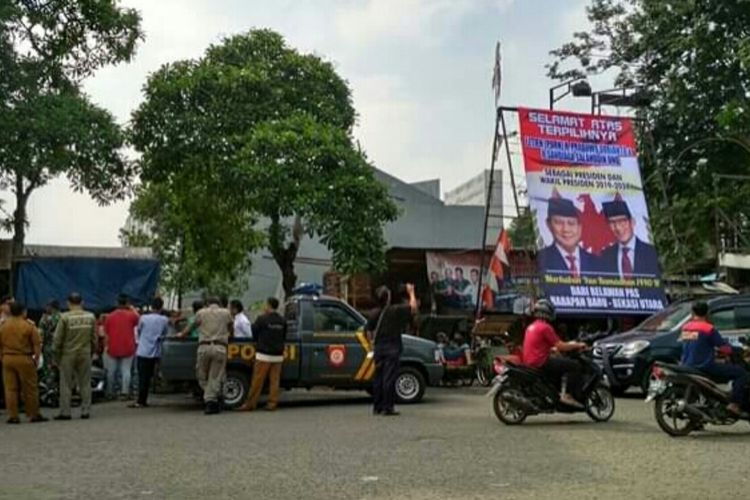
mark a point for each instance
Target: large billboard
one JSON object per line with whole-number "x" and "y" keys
{"x": 584, "y": 185}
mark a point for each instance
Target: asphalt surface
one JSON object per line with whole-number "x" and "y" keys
{"x": 328, "y": 445}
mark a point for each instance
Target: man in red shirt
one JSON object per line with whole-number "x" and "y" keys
{"x": 119, "y": 346}
{"x": 540, "y": 340}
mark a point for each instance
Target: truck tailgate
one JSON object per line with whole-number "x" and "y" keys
{"x": 178, "y": 359}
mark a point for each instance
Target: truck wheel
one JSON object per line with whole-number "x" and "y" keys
{"x": 410, "y": 385}
{"x": 236, "y": 388}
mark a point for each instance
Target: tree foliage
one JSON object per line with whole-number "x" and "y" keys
{"x": 210, "y": 254}
{"x": 48, "y": 127}
{"x": 693, "y": 59}
{"x": 266, "y": 131}
{"x": 522, "y": 230}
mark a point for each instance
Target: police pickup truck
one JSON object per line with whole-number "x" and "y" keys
{"x": 326, "y": 345}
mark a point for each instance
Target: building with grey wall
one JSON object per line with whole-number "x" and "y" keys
{"x": 473, "y": 192}
{"x": 425, "y": 222}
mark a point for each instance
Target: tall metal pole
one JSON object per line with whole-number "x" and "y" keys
{"x": 510, "y": 163}
{"x": 483, "y": 246}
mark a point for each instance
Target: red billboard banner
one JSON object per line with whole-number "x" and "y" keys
{"x": 585, "y": 191}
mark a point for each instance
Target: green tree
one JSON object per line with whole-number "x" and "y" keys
{"x": 48, "y": 127}
{"x": 267, "y": 131}
{"x": 522, "y": 230}
{"x": 207, "y": 252}
{"x": 693, "y": 60}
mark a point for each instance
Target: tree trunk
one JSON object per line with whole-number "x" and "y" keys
{"x": 284, "y": 254}
{"x": 288, "y": 278}
{"x": 19, "y": 218}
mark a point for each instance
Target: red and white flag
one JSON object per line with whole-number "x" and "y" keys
{"x": 499, "y": 264}
{"x": 499, "y": 269}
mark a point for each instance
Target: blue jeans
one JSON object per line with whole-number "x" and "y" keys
{"x": 114, "y": 366}
{"x": 725, "y": 373}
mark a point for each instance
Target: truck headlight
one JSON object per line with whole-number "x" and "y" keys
{"x": 632, "y": 348}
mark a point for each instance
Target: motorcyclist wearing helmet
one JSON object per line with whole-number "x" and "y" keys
{"x": 700, "y": 338}
{"x": 539, "y": 342}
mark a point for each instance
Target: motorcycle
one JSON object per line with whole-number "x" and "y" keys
{"x": 49, "y": 384}
{"x": 519, "y": 391}
{"x": 685, "y": 399}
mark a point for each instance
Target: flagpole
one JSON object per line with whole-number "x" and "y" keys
{"x": 497, "y": 88}
{"x": 490, "y": 188}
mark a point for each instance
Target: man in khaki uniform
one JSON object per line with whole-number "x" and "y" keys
{"x": 20, "y": 347}
{"x": 75, "y": 343}
{"x": 214, "y": 325}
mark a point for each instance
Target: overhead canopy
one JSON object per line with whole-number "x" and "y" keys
{"x": 98, "y": 280}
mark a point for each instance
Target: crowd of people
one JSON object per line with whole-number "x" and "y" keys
{"x": 129, "y": 343}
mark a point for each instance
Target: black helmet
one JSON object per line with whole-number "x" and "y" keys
{"x": 544, "y": 309}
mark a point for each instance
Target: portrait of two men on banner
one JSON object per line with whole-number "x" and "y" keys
{"x": 595, "y": 251}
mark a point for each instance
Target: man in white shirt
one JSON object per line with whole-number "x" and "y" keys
{"x": 242, "y": 325}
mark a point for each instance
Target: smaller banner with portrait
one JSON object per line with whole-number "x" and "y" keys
{"x": 454, "y": 278}
{"x": 595, "y": 251}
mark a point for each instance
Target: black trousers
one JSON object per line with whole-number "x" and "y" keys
{"x": 557, "y": 366}
{"x": 146, "y": 368}
{"x": 386, "y": 373}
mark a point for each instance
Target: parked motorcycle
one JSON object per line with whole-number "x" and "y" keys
{"x": 686, "y": 399}
{"x": 49, "y": 384}
{"x": 519, "y": 391}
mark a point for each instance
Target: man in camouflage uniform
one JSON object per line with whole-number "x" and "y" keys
{"x": 74, "y": 344}
{"x": 47, "y": 327}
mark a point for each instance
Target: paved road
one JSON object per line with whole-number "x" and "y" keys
{"x": 327, "y": 445}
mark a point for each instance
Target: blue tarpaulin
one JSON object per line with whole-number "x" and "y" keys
{"x": 98, "y": 280}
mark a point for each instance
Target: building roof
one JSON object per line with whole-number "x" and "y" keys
{"x": 426, "y": 222}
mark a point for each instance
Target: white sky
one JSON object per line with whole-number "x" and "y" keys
{"x": 420, "y": 71}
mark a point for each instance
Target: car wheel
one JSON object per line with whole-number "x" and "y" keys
{"x": 410, "y": 385}
{"x": 236, "y": 388}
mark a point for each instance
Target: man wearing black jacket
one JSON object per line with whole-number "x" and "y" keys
{"x": 270, "y": 331}
{"x": 385, "y": 327}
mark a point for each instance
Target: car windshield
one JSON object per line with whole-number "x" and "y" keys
{"x": 668, "y": 319}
